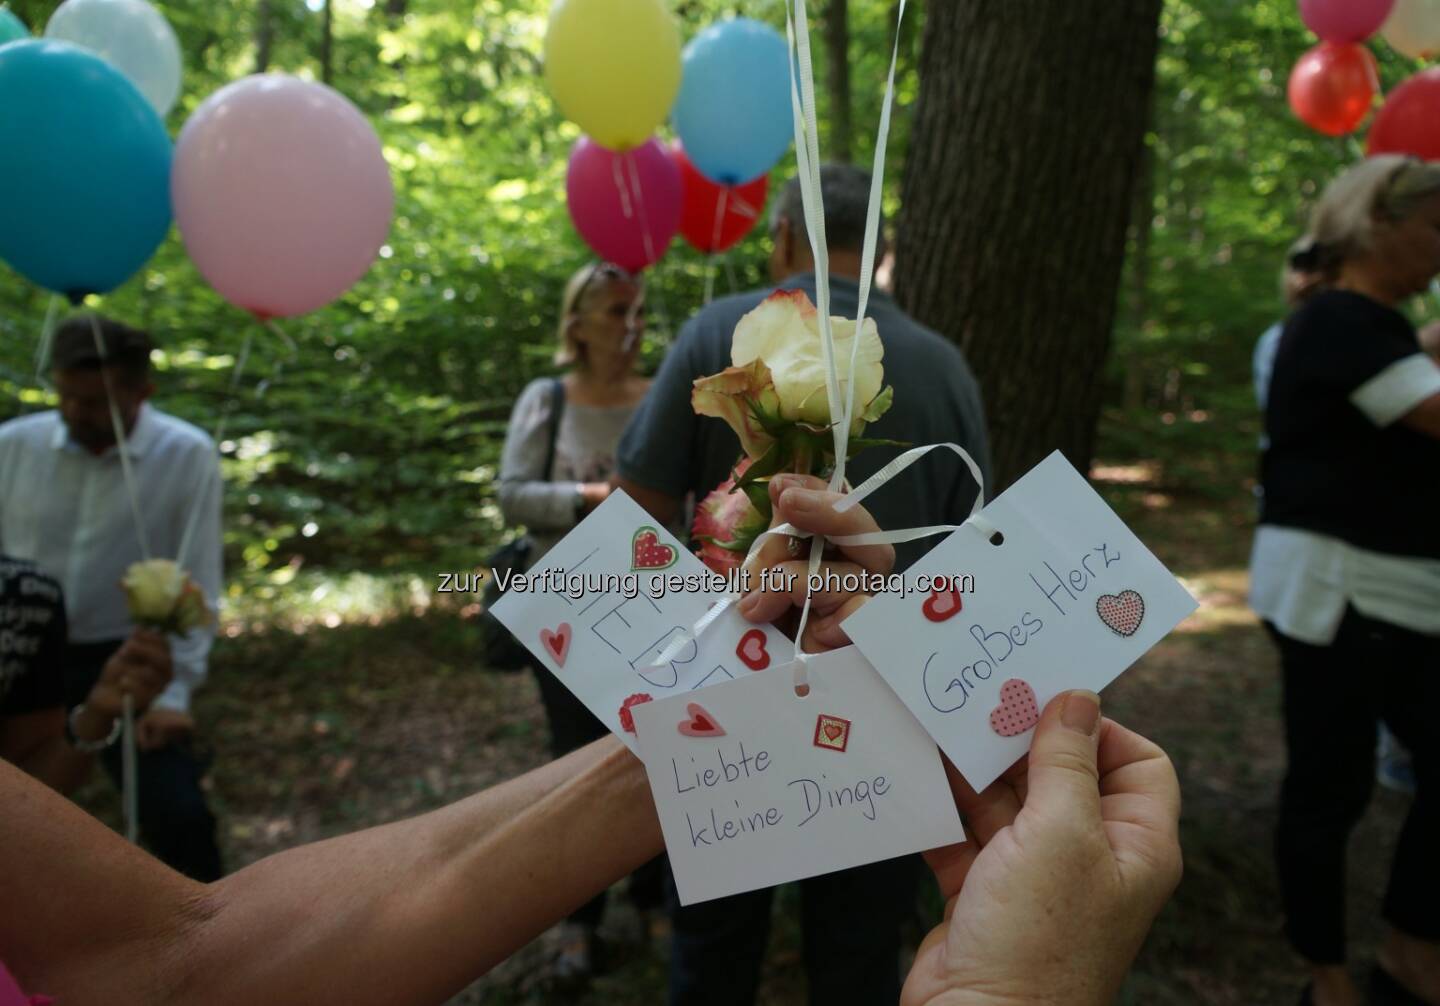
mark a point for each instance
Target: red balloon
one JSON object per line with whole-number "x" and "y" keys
{"x": 1333, "y": 86}
{"x": 714, "y": 217}
{"x": 1409, "y": 121}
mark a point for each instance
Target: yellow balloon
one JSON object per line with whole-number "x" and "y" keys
{"x": 614, "y": 67}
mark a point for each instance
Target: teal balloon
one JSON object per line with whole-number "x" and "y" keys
{"x": 85, "y": 170}
{"x": 11, "y": 27}
{"x": 733, "y": 113}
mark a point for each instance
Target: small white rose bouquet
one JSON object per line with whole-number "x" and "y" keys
{"x": 162, "y": 596}
{"x": 774, "y": 398}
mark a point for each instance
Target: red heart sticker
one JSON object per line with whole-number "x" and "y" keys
{"x": 648, "y": 552}
{"x": 700, "y": 723}
{"x": 944, "y": 602}
{"x": 751, "y": 650}
{"x": 832, "y": 732}
{"x": 1017, "y": 711}
{"x": 627, "y": 718}
{"x": 1121, "y": 612}
{"x": 557, "y": 642}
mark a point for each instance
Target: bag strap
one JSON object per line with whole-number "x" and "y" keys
{"x": 557, "y": 410}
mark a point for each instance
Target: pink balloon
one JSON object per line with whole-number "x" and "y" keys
{"x": 282, "y": 194}
{"x": 617, "y": 201}
{"x": 1345, "y": 20}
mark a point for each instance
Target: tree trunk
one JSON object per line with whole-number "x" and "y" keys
{"x": 837, "y": 48}
{"x": 264, "y": 36}
{"x": 1142, "y": 227}
{"x": 327, "y": 41}
{"x": 1024, "y": 151}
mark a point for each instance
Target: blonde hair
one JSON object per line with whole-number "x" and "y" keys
{"x": 1384, "y": 188}
{"x": 568, "y": 351}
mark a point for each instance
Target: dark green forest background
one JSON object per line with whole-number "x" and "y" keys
{"x": 362, "y": 463}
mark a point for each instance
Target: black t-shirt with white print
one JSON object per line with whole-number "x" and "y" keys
{"x": 1338, "y": 463}
{"x": 32, "y": 639}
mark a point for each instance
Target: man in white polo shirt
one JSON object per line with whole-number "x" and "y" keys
{"x": 65, "y": 506}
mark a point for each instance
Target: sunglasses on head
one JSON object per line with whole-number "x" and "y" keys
{"x": 607, "y": 270}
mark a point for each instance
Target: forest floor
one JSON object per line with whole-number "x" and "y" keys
{"x": 321, "y": 730}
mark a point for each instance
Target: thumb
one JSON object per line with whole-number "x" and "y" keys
{"x": 1063, "y": 777}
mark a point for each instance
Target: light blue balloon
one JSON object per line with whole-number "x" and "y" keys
{"x": 733, "y": 113}
{"x": 85, "y": 173}
{"x": 11, "y": 27}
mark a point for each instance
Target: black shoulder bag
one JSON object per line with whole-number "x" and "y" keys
{"x": 499, "y": 649}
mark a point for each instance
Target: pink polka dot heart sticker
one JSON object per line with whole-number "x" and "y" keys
{"x": 1017, "y": 711}
{"x": 1122, "y": 612}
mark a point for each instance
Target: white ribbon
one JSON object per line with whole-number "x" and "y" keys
{"x": 807, "y": 155}
{"x": 129, "y": 783}
{"x": 975, "y": 521}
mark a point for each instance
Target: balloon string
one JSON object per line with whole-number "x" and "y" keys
{"x": 720, "y": 208}
{"x": 714, "y": 247}
{"x": 617, "y": 172}
{"x": 129, "y": 781}
{"x": 807, "y": 152}
{"x": 662, "y": 317}
{"x": 201, "y": 500}
{"x": 129, "y": 778}
{"x": 292, "y": 354}
{"x": 744, "y": 207}
{"x": 872, "y": 237}
{"x": 47, "y": 338}
{"x": 121, "y": 446}
{"x": 651, "y": 256}
{"x": 730, "y": 272}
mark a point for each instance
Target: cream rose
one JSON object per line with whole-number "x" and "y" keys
{"x": 161, "y": 595}
{"x": 784, "y": 333}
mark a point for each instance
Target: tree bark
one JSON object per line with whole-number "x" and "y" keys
{"x": 837, "y": 48}
{"x": 264, "y": 36}
{"x": 1142, "y": 215}
{"x": 1024, "y": 150}
{"x": 327, "y": 42}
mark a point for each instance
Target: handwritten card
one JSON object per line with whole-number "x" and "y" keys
{"x": 602, "y": 605}
{"x": 1068, "y": 599}
{"x": 756, "y": 786}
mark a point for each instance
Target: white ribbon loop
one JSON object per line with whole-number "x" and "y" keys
{"x": 807, "y": 156}
{"x": 817, "y": 546}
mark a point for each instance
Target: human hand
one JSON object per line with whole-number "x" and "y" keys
{"x": 1069, "y": 859}
{"x": 594, "y": 493}
{"x": 1430, "y": 339}
{"x": 804, "y": 502}
{"x": 159, "y": 728}
{"x": 140, "y": 669}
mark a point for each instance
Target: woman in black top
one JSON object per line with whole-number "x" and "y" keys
{"x": 1346, "y": 571}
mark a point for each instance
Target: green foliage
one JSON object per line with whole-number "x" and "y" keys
{"x": 1233, "y": 176}
{"x": 373, "y": 445}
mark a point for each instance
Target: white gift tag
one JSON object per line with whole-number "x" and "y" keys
{"x": 610, "y": 596}
{"x": 1069, "y": 599}
{"x": 756, "y": 786}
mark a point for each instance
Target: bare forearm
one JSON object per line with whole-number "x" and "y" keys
{"x": 459, "y": 889}
{"x": 660, "y": 505}
{"x": 56, "y": 764}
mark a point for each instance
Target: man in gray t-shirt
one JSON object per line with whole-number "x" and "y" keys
{"x": 667, "y": 453}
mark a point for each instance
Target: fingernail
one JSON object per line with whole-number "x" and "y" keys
{"x": 1081, "y": 712}
{"x": 802, "y": 500}
{"x": 785, "y": 480}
